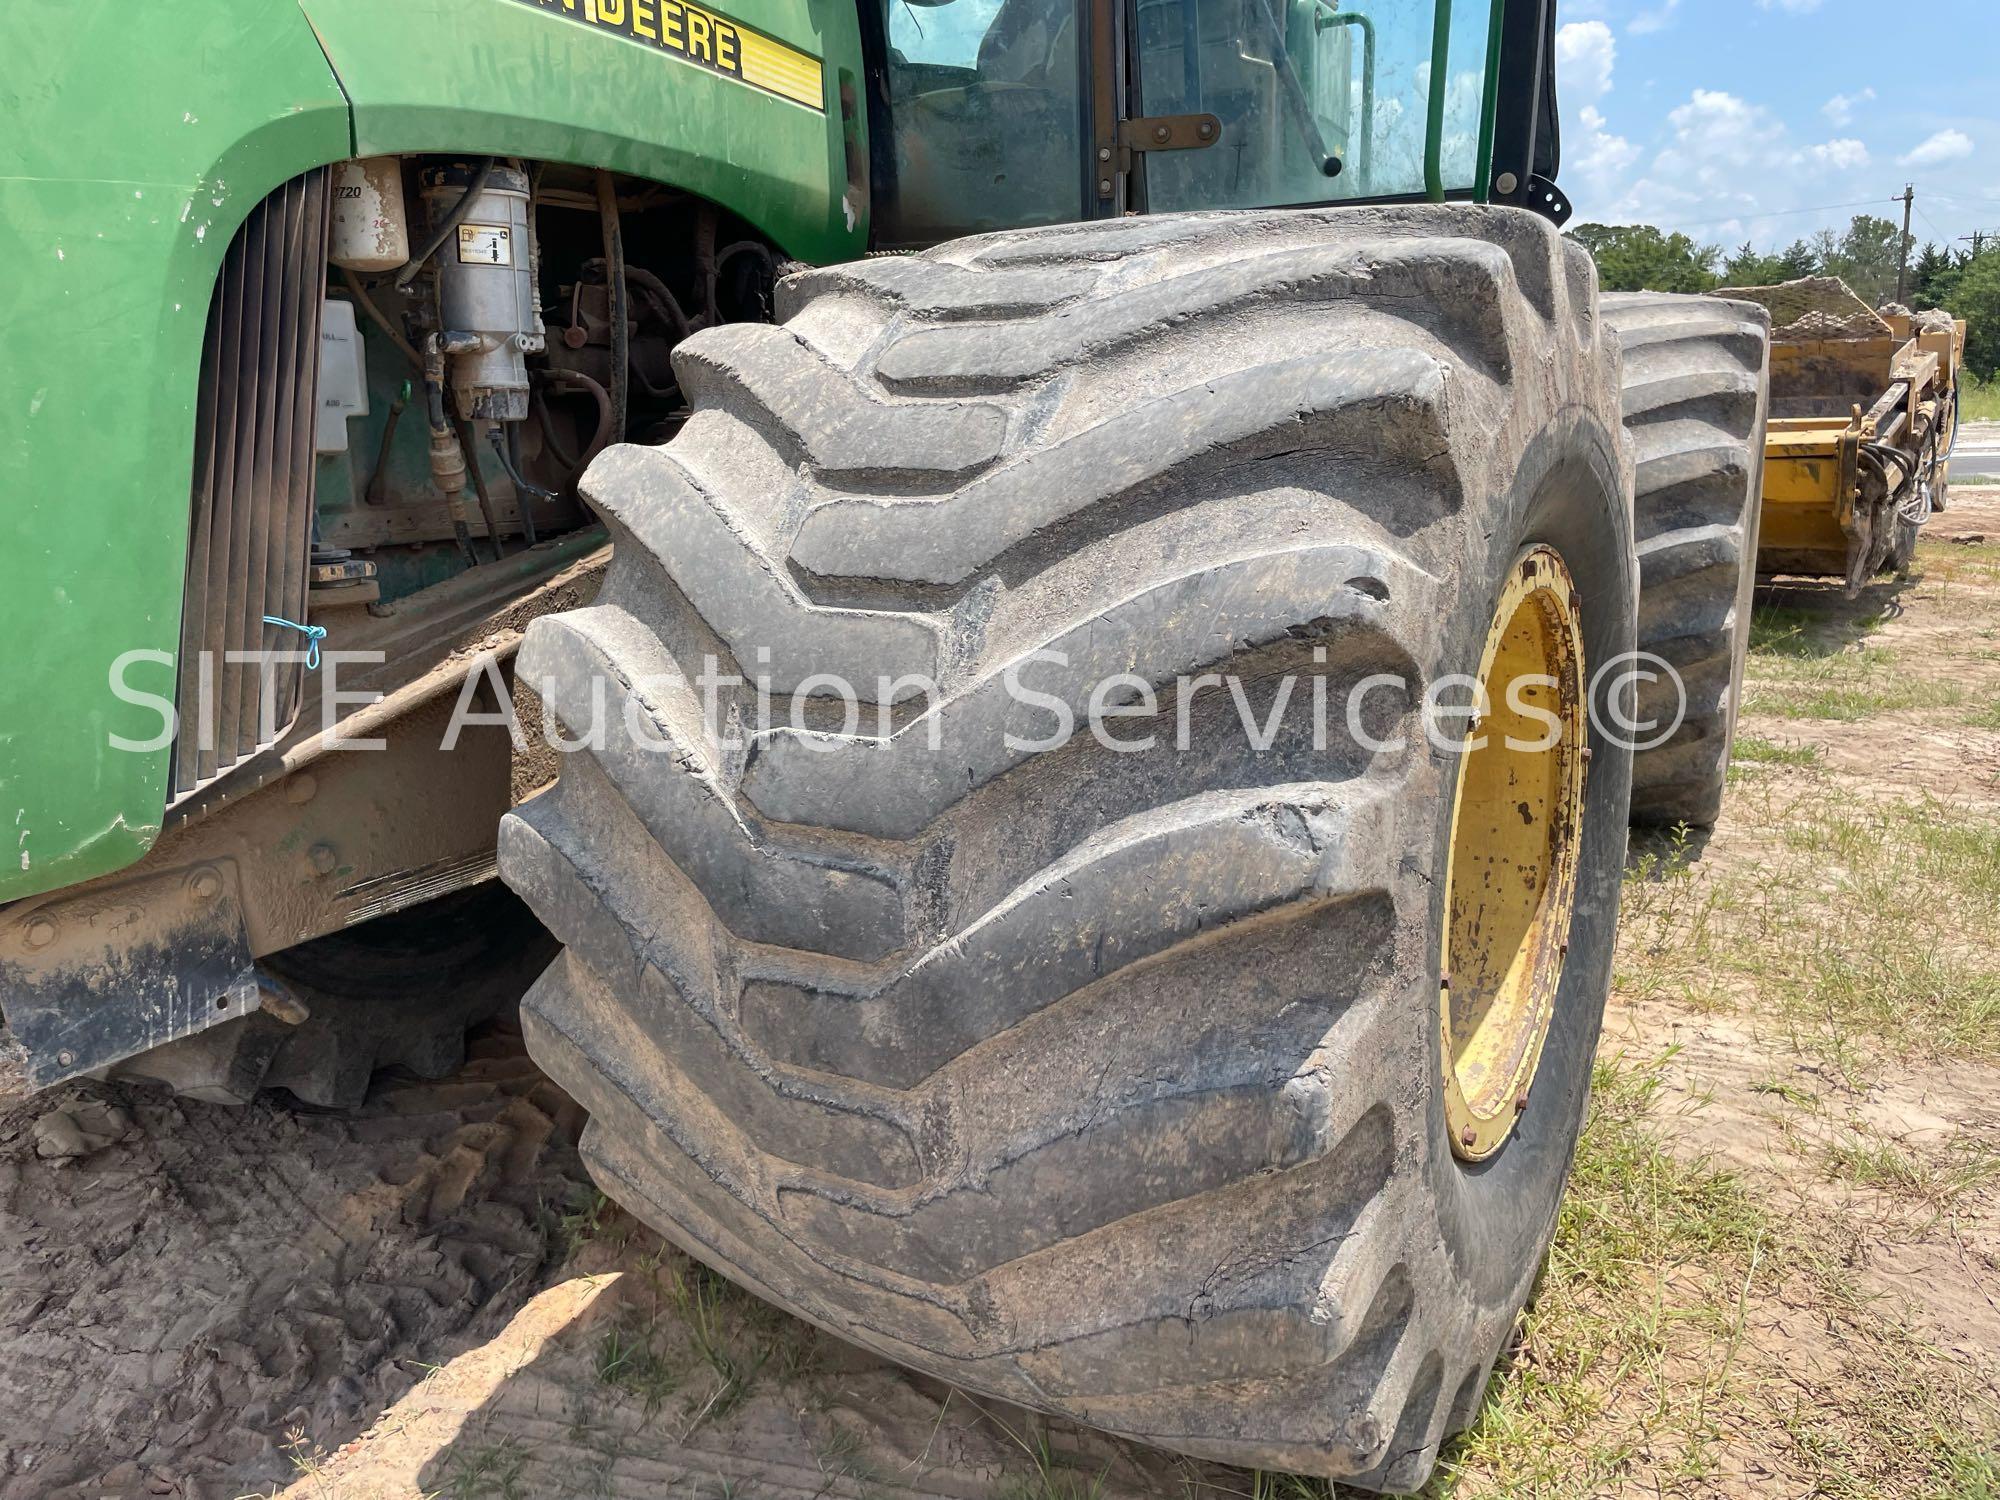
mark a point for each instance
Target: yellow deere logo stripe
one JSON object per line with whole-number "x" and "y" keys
{"x": 707, "y": 39}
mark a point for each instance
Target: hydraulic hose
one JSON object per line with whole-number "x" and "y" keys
{"x": 606, "y": 430}
{"x": 375, "y": 315}
{"x": 507, "y": 450}
{"x": 450, "y": 222}
{"x": 478, "y": 475}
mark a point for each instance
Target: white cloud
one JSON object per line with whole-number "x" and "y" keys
{"x": 1600, "y": 156}
{"x": 1840, "y": 108}
{"x": 1725, "y": 164}
{"x": 1844, "y": 155}
{"x": 1586, "y": 52}
{"x": 1649, "y": 21}
{"x": 1596, "y": 159}
{"x": 1715, "y": 129}
{"x": 1946, "y": 145}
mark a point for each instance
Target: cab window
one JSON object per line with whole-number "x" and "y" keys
{"x": 986, "y": 113}
{"x": 1297, "y": 81}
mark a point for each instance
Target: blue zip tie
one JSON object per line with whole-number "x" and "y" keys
{"x": 314, "y": 634}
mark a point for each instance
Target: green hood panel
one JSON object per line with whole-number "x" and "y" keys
{"x": 133, "y": 142}
{"x": 124, "y": 171}
{"x": 521, "y": 78}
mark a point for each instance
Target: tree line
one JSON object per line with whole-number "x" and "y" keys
{"x": 1639, "y": 257}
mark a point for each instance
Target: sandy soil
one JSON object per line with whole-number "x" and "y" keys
{"x": 424, "y": 1298}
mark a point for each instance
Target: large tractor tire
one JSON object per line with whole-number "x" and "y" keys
{"x": 1697, "y": 387}
{"x": 1113, "y": 1083}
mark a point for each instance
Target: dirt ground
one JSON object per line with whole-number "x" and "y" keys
{"x": 1778, "y": 1274}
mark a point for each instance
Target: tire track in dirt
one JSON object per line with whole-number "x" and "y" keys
{"x": 180, "y": 1305}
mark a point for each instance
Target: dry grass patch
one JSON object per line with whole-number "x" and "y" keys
{"x": 1976, "y": 563}
{"x": 1691, "y": 1337}
{"x": 1860, "y": 927}
{"x": 1934, "y": 1177}
{"x": 1845, "y": 686}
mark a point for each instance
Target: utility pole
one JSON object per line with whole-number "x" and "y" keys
{"x": 1977, "y": 239}
{"x": 1903, "y": 246}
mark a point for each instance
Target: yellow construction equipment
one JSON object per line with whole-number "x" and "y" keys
{"x": 1864, "y": 406}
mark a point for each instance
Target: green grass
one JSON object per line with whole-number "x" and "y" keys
{"x": 590, "y": 1219}
{"x": 491, "y": 1471}
{"x": 1755, "y": 750}
{"x": 1949, "y": 562}
{"x": 1794, "y": 673}
{"x": 1935, "y": 1177}
{"x": 687, "y": 1332}
{"x": 1978, "y": 400}
{"x": 1805, "y": 631}
{"x": 1851, "y": 703}
{"x": 1861, "y": 929}
{"x": 1652, "y": 1256}
{"x": 632, "y": 1359}
{"x": 1635, "y": 1365}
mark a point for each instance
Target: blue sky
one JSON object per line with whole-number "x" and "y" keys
{"x": 1768, "y": 119}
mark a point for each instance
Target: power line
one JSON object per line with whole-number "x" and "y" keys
{"x": 1786, "y": 213}
{"x": 1903, "y": 244}
{"x": 1960, "y": 197}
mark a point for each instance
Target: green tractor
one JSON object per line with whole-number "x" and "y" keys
{"x": 703, "y": 467}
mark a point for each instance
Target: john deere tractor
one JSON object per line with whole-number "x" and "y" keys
{"x": 837, "y": 403}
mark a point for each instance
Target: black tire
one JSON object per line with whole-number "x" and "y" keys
{"x": 400, "y": 991}
{"x": 1105, "y": 1083}
{"x": 1697, "y": 388}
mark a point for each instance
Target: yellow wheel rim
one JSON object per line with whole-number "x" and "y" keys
{"x": 1510, "y": 874}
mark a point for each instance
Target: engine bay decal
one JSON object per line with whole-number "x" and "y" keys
{"x": 706, "y": 38}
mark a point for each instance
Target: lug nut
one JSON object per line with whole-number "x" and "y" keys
{"x": 1444, "y": 979}
{"x": 322, "y": 859}
{"x": 65, "y": 1059}
{"x": 41, "y": 932}
{"x": 1520, "y": 1101}
{"x": 1468, "y": 1136}
{"x": 206, "y": 885}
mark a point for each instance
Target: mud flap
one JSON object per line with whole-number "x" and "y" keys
{"x": 93, "y": 979}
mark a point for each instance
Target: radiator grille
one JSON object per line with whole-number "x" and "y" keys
{"x": 250, "y": 535}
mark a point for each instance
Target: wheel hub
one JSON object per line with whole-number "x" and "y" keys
{"x": 1510, "y": 876}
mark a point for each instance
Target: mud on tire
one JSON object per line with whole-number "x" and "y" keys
{"x": 1104, "y": 1082}
{"x": 1697, "y": 385}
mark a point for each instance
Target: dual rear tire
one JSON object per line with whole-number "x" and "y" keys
{"x": 1696, "y": 391}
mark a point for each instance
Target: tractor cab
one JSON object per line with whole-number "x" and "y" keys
{"x": 994, "y": 114}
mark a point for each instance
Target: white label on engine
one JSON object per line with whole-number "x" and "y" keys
{"x": 485, "y": 245}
